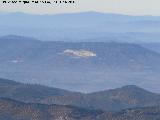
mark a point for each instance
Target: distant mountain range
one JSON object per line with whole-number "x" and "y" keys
{"x": 133, "y": 96}
{"x": 87, "y": 26}
{"x": 111, "y": 100}
{"x": 79, "y": 66}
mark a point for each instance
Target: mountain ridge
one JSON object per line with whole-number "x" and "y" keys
{"x": 111, "y": 100}
{"x": 53, "y": 27}
{"x": 13, "y": 110}
{"x": 28, "y": 92}
{"x": 114, "y": 99}
{"x": 44, "y": 62}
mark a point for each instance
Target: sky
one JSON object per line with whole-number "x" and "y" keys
{"x": 130, "y": 7}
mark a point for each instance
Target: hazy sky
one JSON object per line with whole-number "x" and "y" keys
{"x": 133, "y": 7}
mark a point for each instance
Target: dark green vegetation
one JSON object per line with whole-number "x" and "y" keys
{"x": 116, "y": 99}
{"x": 14, "y": 110}
{"x": 28, "y": 92}
{"x": 147, "y": 113}
{"x": 115, "y": 65}
{"x": 34, "y": 102}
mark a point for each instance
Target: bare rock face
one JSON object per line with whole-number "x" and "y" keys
{"x": 80, "y": 53}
